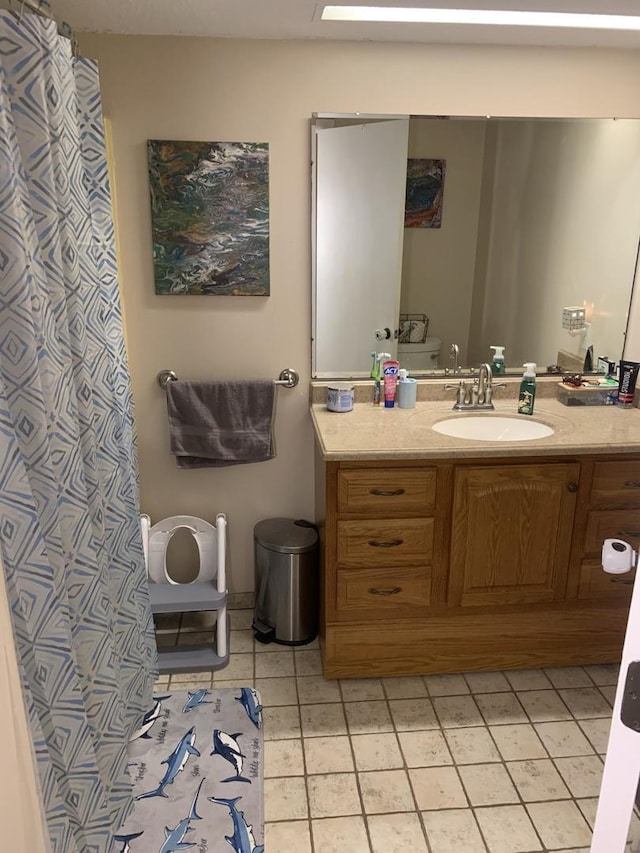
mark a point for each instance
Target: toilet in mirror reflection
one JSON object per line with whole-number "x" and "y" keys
{"x": 420, "y": 356}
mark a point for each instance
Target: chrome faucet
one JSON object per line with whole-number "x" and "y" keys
{"x": 454, "y": 354}
{"x": 477, "y": 396}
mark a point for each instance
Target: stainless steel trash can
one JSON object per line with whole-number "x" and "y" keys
{"x": 286, "y": 581}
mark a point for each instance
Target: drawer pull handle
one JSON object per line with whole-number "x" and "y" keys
{"x": 632, "y": 484}
{"x": 632, "y": 533}
{"x": 613, "y": 580}
{"x": 393, "y": 543}
{"x": 374, "y": 591}
{"x": 386, "y": 493}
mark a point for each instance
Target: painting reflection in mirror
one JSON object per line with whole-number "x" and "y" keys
{"x": 425, "y": 187}
{"x": 539, "y": 214}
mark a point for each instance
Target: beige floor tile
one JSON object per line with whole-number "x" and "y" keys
{"x": 568, "y": 676}
{"x": 376, "y": 752}
{"x": 239, "y": 619}
{"x": 598, "y": 733}
{"x": 582, "y": 774}
{"x": 368, "y": 717}
{"x": 196, "y": 638}
{"x": 487, "y": 784}
{"x": 519, "y": 741}
{"x": 396, "y": 833}
{"x": 487, "y": 682}
{"x": 313, "y": 689}
{"x": 543, "y": 706}
{"x": 361, "y": 689}
{"x": 586, "y": 703}
{"x": 472, "y": 746}
{"x": 507, "y": 829}
{"x": 283, "y": 758}
{"x": 457, "y": 712}
{"x": 446, "y": 685}
{"x": 413, "y": 714}
{"x": 241, "y": 642}
{"x": 202, "y": 620}
{"x": 308, "y": 663}
{"x": 166, "y": 639}
{"x": 323, "y": 720}
{"x": 259, "y": 647}
{"x": 563, "y": 739}
{"x": 234, "y": 683}
{"x": 281, "y": 722}
{"x": 285, "y": 799}
{"x": 289, "y": 835}
{"x": 407, "y": 687}
{"x": 501, "y": 709}
{"x": 239, "y": 666}
{"x": 167, "y": 621}
{"x": 277, "y": 691}
{"x": 186, "y": 680}
{"x": 589, "y": 807}
{"x": 335, "y": 795}
{"x": 537, "y": 780}
{"x": 328, "y": 754}
{"x": 424, "y": 749}
{"x": 337, "y": 835}
{"x": 560, "y": 824}
{"x": 605, "y": 673}
{"x": 453, "y": 831}
{"x": 609, "y": 693}
{"x": 528, "y": 679}
{"x": 161, "y": 682}
{"x": 437, "y": 788}
{"x": 275, "y": 665}
{"x": 385, "y": 791}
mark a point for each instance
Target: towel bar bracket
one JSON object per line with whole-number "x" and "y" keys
{"x": 288, "y": 378}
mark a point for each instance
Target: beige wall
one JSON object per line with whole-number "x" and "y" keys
{"x": 265, "y": 91}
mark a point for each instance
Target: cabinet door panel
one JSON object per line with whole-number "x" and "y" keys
{"x": 612, "y": 524}
{"x": 397, "y": 491}
{"x": 383, "y": 542}
{"x": 511, "y": 533}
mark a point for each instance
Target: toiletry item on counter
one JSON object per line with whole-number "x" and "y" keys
{"x": 527, "y": 389}
{"x": 390, "y": 369}
{"x": 407, "y": 390}
{"x": 627, "y": 382}
{"x": 497, "y": 363}
{"x": 587, "y": 366}
{"x": 340, "y": 397}
{"x": 376, "y": 375}
{"x": 597, "y": 394}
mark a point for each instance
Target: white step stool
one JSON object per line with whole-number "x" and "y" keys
{"x": 207, "y": 592}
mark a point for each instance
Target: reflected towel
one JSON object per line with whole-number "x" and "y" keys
{"x": 213, "y": 424}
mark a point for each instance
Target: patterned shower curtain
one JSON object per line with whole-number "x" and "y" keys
{"x": 69, "y": 519}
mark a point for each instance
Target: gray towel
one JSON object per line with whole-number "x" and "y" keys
{"x": 221, "y": 423}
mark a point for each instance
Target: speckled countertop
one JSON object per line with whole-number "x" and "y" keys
{"x": 371, "y": 433}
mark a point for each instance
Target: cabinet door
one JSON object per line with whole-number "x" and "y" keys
{"x": 511, "y": 533}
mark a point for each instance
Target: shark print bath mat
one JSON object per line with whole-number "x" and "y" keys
{"x": 196, "y": 763}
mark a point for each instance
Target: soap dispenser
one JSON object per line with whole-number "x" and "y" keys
{"x": 527, "y": 389}
{"x": 497, "y": 363}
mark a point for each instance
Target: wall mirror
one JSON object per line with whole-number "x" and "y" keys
{"x": 537, "y": 215}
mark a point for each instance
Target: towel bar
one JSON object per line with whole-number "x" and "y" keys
{"x": 288, "y": 378}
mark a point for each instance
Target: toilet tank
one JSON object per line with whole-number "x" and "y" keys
{"x": 424, "y": 356}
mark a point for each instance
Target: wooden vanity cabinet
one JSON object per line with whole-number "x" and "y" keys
{"x": 458, "y": 565}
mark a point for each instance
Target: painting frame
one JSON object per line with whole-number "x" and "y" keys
{"x": 209, "y": 217}
{"x": 425, "y": 192}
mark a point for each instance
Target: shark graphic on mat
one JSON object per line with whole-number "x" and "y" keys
{"x": 174, "y": 838}
{"x": 227, "y": 746}
{"x": 126, "y": 840}
{"x": 242, "y": 840}
{"x": 196, "y": 698}
{"x": 149, "y": 719}
{"x": 249, "y": 700}
{"x": 175, "y": 763}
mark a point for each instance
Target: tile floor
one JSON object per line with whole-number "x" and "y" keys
{"x": 491, "y": 762}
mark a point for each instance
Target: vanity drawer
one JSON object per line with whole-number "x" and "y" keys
{"x": 612, "y": 524}
{"x": 399, "y": 490}
{"x": 382, "y": 592}
{"x": 597, "y": 584}
{"x": 385, "y": 542}
{"x": 616, "y": 484}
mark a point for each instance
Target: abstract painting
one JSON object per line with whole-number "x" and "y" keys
{"x": 210, "y": 217}
{"x": 425, "y": 187}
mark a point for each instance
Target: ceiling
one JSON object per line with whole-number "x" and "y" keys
{"x": 299, "y": 19}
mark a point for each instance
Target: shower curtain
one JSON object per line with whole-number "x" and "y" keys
{"x": 69, "y": 519}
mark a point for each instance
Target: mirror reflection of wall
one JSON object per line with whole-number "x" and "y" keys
{"x": 538, "y": 214}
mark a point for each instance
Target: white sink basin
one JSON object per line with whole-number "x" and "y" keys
{"x": 493, "y": 428}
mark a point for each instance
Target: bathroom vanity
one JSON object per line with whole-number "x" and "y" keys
{"x": 444, "y": 555}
